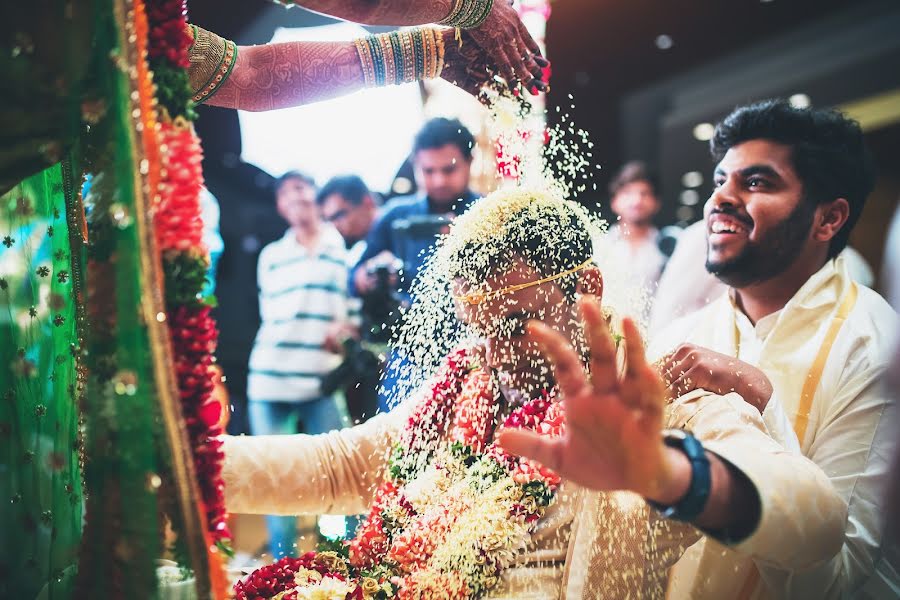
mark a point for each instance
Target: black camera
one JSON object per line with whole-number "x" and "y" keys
{"x": 358, "y": 377}
{"x": 381, "y": 306}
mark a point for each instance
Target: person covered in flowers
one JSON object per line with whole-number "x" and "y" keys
{"x": 485, "y": 38}
{"x": 452, "y": 514}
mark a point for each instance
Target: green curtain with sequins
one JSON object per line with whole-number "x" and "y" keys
{"x": 65, "y": 306}
{"x": 40, "y": 446}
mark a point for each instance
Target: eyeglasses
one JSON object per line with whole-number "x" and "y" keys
{"x": 476, "y": 298}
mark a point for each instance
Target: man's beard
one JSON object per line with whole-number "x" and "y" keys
{"x": 771, "y": 255}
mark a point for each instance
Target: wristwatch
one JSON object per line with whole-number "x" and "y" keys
{"x": 694, "y": 501}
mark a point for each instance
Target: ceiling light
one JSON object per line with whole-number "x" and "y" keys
{"x": 692, "y": 179}
{"x": 689, "y": 197}
{"x": 704, "y": 131}
{"x": 800, "y": 101}
{"x": 664, "y": 42}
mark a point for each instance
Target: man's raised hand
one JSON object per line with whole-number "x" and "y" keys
{"x": 614, "y": 417}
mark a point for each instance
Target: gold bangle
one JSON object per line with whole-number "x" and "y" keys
{"x": 409, "y": 61}
{"x": 439, "y": 43}
{"x": 212, "y": 59}
{"x": 390, "y": 67}
{"x": 365, "y": 57}
{"x": 430, "y": 52}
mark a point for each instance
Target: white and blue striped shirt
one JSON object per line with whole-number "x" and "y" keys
{"x": 301, "y": 293}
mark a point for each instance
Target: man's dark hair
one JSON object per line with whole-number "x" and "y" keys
{"x": 550, "y": 236}
{"x": 827, "y": 151}
{"x": 630, "y": 172}
{"x": 349, "y": 187}
{"x": 294, "y": 175}
{"x": 440, "y": 132}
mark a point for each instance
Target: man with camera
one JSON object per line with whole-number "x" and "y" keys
{"x": 405, "y": 235}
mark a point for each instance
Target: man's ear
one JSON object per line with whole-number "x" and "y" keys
{"x": 830, "y": 218}
{"x": 590, "y": 281}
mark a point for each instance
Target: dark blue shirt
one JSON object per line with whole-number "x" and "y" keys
{"x": 401, "y": 231}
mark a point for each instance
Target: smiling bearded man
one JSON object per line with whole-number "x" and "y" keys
{"x": 455, "y": 515}
{"x": 795, "y": 336}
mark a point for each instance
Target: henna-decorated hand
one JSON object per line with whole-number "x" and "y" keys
{"x": 466, "y": 65}
{"x": 506, "y": 42}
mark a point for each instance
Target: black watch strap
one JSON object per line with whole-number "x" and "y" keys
{"x": 694, "y": 501}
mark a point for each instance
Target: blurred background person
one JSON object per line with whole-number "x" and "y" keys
{"x": 347, "y": 203}
{"x": 633, "y": 239}
{"x": 302, "y": 294}
{"x": 404, "y": 237}
{"x": 442, "y": 162}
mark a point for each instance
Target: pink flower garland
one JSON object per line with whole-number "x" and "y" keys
{"x": 394, "y": 545}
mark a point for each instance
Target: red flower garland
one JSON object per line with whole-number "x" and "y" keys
{"x": 179, "y": 228}
{"x": 178, "y": 223}
{"x": 167, "y": 36}
{"x": 193, "y": 339}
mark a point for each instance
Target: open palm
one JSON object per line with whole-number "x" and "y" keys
{"x": 614, "y": 419}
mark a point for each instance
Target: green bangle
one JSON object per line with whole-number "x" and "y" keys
{"x": 468, "y": 14}
{"x": 480, "y": 16}
{"x": 394, "y": 38}
{"x": 377, "y": 60}
{"x": 419, "y": 42}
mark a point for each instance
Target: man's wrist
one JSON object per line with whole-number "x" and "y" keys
{"x": 675, "y": 481}
{"x": 758, "y": 393}
{"x": 692, "y": 502}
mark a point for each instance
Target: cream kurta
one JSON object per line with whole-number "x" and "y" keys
{"x": 621, "y": 547}
{"x": 846, "y": 434}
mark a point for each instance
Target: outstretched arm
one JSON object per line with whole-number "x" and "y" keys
{"x": 273, "y": 76}
{"x": 614, "y": 426}
{"x": 333, "y": 472}
{"x": 613, "y": 441}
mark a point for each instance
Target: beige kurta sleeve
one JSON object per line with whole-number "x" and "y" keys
{"x": 334, "y": 472}
{"x": 853, "y": 447}
{"x": 802, "y": 516}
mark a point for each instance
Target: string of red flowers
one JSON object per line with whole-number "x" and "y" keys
{"x": 179, "y": 230}
{"x": 179, "y": 233}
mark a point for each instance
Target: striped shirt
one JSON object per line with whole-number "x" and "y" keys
{"x": 302, "y": 293}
